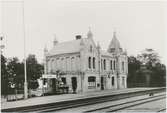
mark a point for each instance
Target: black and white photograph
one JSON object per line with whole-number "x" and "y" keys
{"x": 83, "y": 55}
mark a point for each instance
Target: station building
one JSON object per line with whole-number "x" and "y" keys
{"x": 83, "y": 64}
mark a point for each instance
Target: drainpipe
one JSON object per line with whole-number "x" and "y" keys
{"x": 99, "y": 67}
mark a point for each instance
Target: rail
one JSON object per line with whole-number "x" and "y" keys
{"x": 81, "y": 102}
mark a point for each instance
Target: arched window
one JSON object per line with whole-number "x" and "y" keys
{"x": 91, "y": 48}
{"x": 89, "y": 62}
{"x": 123, "y": 81}
{"x": 49, "y": 66}
{"x": 93, "y": 62}
{"x": 104, "y": 64}
{"x": 72, "y": 64}
{"x": 123, "y": 66}
{"x": 111, "y": 64}
{"x": 52, "y": 65}
{"x": 55, "y": 64}
{"x": 112, "y": 81}
{"x": 114, "y": 65}
{"x": 58, "y": 63}
{"x": 62, "y": 64}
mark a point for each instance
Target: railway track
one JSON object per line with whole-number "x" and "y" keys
{"x": 129, "y": 104}
{"x": 162, "y": 110}
{"x": 79, "y": 102}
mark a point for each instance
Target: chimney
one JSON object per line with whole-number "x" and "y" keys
{"x": 78, "y": 37}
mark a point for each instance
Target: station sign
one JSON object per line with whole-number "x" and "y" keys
{"x": 49, "y": 76}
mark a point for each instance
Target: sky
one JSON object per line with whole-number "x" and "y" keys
{"x": 138, "y": 25}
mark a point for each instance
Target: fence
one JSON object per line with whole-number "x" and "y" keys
{"x": 18, "y": 95}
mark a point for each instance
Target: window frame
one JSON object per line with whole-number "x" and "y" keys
{"x": 112, "y": 80}
{"x": 104, "y": 63}
{"x": 91, "y": 82}
{"x": 94, "y": 63}
{"x": 111, "y": 66}
{"x": 89, "y": 62}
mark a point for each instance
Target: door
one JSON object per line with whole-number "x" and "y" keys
{"x": 102, "y": 83}
{"x": 74, "y": 84}
{"x": 54, "y": 85}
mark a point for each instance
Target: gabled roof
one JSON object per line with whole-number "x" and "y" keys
{"x": 67, "y": 47}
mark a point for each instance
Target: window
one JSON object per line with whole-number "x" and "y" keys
{"x": 52, "y": 65}
{"x": 63, "y": 79}
{"x": 111, "y": 64}
{"x": 112, "y": 50}
{"x": 91, "y": 82}
{"x": 44, "y": 81}
{"x": 93, "y": 62}
{"x": 63, "y": 64}
{"x": 112, "y": 81}
{"x": 123, "y": 81}
{"x": 72, "y": 64}
{"x": 104, "y": 64}
{"x": 114, "y": 65}
{"x": 68, "y": 63}
{"x": 91, "y": 48}
{"x": 89, "y": 62}
{"x": 122, "y": 66}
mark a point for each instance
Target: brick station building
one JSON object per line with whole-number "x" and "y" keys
{"x": 82, "y": 64}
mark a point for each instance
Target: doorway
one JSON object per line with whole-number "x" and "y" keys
{"x": 102, "y": 83}
{"x": 54, "y": 85}
{"x": 74, "y": 84}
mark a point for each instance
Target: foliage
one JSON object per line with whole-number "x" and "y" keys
{"x": 4, "y": 75}
{"x": 133, "y": 66}
{"x": 34, "y": 71}
{"x": 13, "y": 73}
{"x": 150, "y": 60}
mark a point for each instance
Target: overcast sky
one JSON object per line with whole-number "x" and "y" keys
{"x": 139, "y": 25}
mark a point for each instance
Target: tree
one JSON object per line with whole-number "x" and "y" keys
{"x": 151, "y": 60}
{"x": 158, "y": 75}
{"x": 15, "y": 72}
{"x": 133, "y": 67}
{"x": 34, "y": 71}
{"x": 146, "y": 70}
{"x": 149, "y": 57}
{"x": 4, "y": 75}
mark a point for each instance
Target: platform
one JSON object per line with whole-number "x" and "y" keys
{"x": 65, "y": 97}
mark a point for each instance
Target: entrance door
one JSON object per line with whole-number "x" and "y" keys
{"x": 54, "y": 85}
{"x": 74, "y": 84}
{"x": 102, "y": 83}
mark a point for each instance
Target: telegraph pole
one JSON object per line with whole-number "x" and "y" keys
{"x": 24, "y": 36}
{"x": 25, "y": 65}
{"x": 1, "y": 47}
